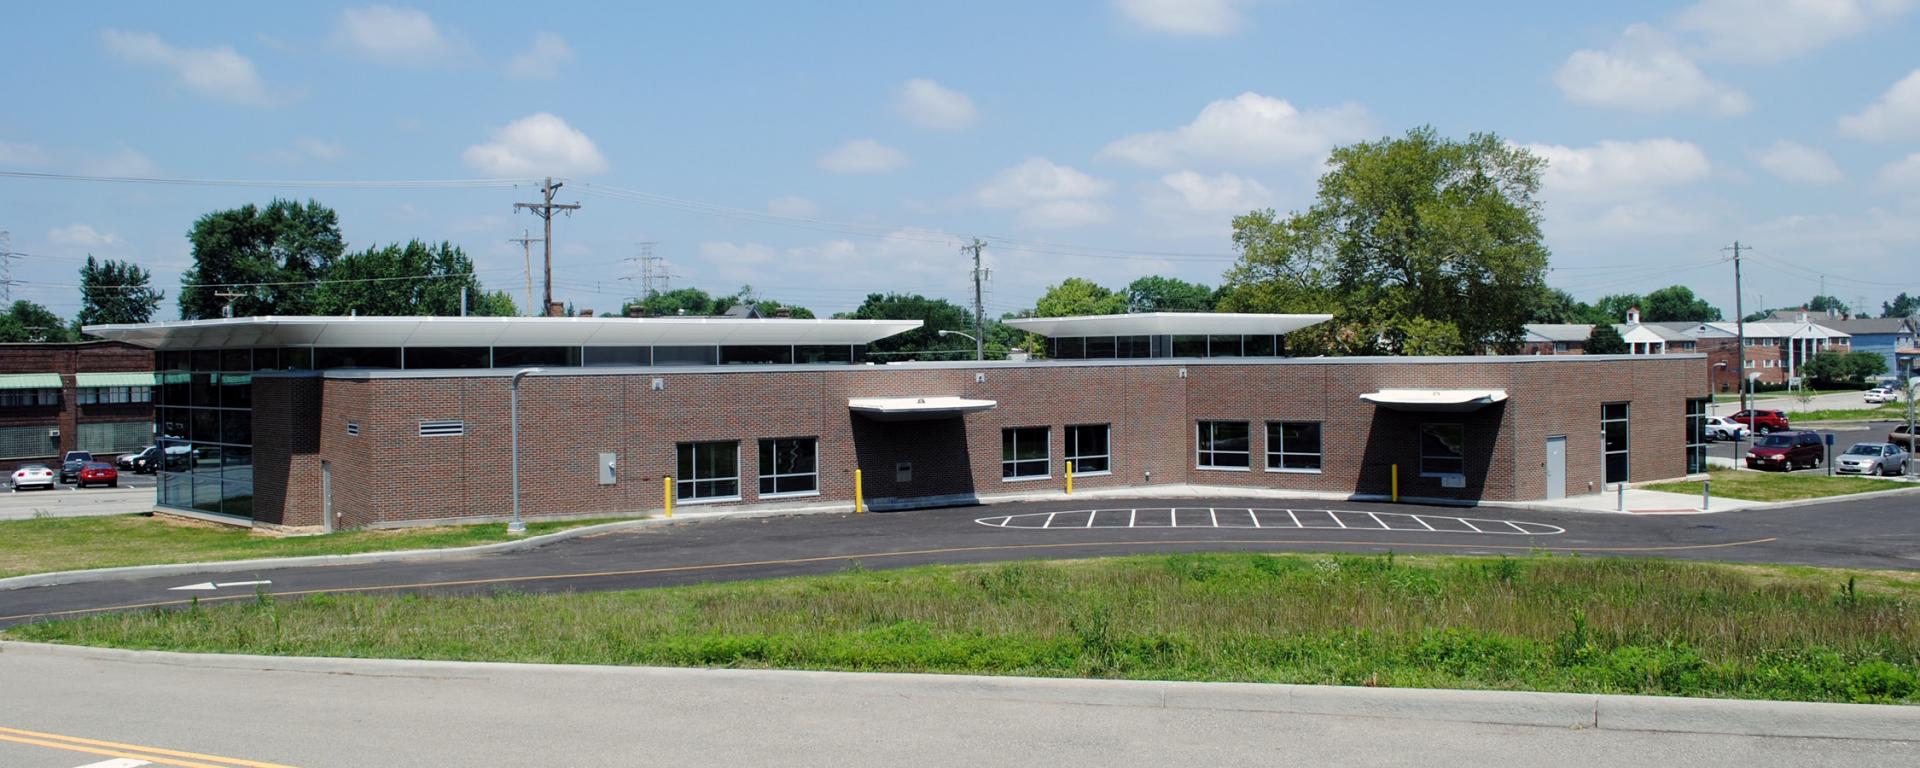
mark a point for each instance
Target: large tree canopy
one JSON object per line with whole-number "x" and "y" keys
{"x": 1078, "y": 296}
{"x": 1901, "y": 306}
{"x": 925, "y": 342}
{"x": 1154, "y": 293}
{"x": 272, "y": 256}
{"x": 1676, "y": 303}
{"x": 27, "y": 321}
{"x": 411, "y": 279}
{"x": 1417, "y": 245}
{"x": 116, "y": 292}
{"x": 693, "y": 301}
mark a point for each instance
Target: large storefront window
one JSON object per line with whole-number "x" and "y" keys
{"x": 1023, "y": 453}
{"x": 203, "y": 423}
{"x": 789, "y": 466}
{"x": 708, "y": 470}
{"x": 1223, "y": 445}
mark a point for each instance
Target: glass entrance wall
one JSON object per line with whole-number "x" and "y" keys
{"x": 1122, "y": 347}
{"x": 203, "y": 425}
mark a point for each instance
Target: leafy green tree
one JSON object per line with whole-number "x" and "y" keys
{"x": 1154, "y": 293}
{"x": 1556, "y": 306}
{"x": 26, "y": 321}
{"x": 925, "y": 342}
{"x": 1077, "y": 296}
{"x": 274, "y": 256}
{"x": 1901, "y": 306}
{"x": 1605, "y": 340}
{"x": 679, "y": 301}
{"x": 1677, "y": 303}
{"x": 1417, "y": 228}
{"x": 1823, "y": 304}
{"x": 411, "y": 279}
{"x": 1612, "y": 308}
{"x": 1836, "y": 367}
{"x": 116, "y": 292}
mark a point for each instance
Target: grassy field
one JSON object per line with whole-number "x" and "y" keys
{"x": 73, "y": 543}
{"x": 1536, "y": 623}
{"x": 1884, "y": 412}
{"x": 1778, "y": 486}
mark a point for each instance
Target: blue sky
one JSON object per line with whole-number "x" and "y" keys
{"x": 818, "y": 151}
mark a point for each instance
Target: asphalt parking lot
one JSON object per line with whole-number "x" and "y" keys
{"x": 1843, "y": 437}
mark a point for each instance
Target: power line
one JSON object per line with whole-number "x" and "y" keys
{"x": 545, "y": 210}
{"x": 288, "y": 183}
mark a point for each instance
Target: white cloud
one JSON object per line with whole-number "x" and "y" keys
{"x": 1894, "y": 117}
{"x": 793, "y": 206}
{"x": 542, "y": 59}
{"x": 1047, "y": 195}
{"x": 124, "y": 162}
{"x": 219, "y": 73}
{"x": 1904, "y": 172}
{"x": 1612, "y": 170}
{"x": 1798, "y": 162}
{"x": 82, "y": 236}
{"x": 931, "y": 105}
{"x": 306, "y": 149}
{"x": 1211, "y": 18}
{"x": 1189, "y": 203}
{"x": 1249, "y": 128}
{"x": 863, "y": 156}
{"x": 399, "y": 35}
{"x": 538, "y": 144}
{"x": 15, "y": 153}
{"x": 1767, "y": 30}
{"x": 907, "y": 259}
{"x": 1645, "y": 72}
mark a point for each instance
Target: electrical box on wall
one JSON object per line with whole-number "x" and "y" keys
{"x": 903, "y": 472}
{"x": 607, "y": 467}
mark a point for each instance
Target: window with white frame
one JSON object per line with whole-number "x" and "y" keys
{"x": 1023, "y": 453}
{"x": 789, "y": 466}
{"x": 708, "y": 470}
{"x": 1222, "y": 445}
{"x": 1616, "y": 436}
{"x": 1090, "y": 449}
{"x": 1443, "y": 449}
{"x": 99, "y": 395}
{"x": 1293, "y": 446}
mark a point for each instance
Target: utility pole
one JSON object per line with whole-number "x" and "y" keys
{"x": 979, "y": 309}
{"x": 526, "y": 242}
{"x": 545, "y": 210}
{"x": 229, "y": 296}
{"x": 1740, "y": 322}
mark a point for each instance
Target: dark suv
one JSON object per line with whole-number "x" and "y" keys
{"x": 1762, "y": 421}
{"x": 1787, "y": 451}
{"x": 71, "y": 464}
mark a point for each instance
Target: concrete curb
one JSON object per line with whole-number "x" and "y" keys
{"x": 1551, "y": 710}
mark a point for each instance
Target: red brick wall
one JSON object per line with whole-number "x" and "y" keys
{"x": 389, "y": 474}
{"x": 67, "y": 360}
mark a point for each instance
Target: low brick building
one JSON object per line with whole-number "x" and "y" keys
{"x": 90, "y": 396}
{"x": 309, "y": 446}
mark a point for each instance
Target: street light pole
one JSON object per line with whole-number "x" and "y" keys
{"x": 516, "y": 527}
{"x": 974, "y": 339}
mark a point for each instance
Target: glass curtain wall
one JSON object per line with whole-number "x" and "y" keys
{"x": 203, "y": 425}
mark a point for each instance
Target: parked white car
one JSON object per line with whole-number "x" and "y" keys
{"x": 1718, "y": 428}
{"x": 1872, "y": 459}
{"x": 32, "y": 476}
{"x": 1883, "y": 395}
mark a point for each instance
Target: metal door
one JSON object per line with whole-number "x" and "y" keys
{"x": 326, "y": 496}
{"x": 1557, "y": 467}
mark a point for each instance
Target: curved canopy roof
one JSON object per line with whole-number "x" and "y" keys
{"x": 496, "y": 331}
{"x": 1435, "y": 400}
{"x": 1166, "y": 323}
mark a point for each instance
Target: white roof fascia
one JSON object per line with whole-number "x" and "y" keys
{"x": 498, "y": 331}
{"x": 1167, "y": 324}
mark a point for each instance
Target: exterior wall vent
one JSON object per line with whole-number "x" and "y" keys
{"x": 443, "y": 428}
{"x": 353, "y": 429}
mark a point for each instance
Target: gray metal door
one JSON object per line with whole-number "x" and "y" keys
{"x": 1557, "y": 467}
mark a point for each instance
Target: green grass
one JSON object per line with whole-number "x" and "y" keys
{"x": 1885, "y": 412}
{"x": 73, "y": 543}
{"x": 1753, "y": 485}
{"x": 1538, "y": 623}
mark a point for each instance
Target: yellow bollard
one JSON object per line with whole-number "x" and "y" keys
{"x": 666, "y": 492}
{"x": 1396, "y": 483}
{"x": 859, "y": 497}
{"x": 1069, "y": 478}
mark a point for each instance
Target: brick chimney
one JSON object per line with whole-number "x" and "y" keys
{"x": 783, "y": 312}
{"x": 586, "y": 313}
{"x": 557, "y": 309}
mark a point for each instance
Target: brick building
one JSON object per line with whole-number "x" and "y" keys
{"x": 88, "y": 396}
{"x": 1775, "y": 348}
{"x": 316, "y": 438}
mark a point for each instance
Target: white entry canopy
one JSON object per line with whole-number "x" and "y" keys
{"x": 368, "y": 331}
{"x": 916, "y": 408}
{"x": 1435, "y": 400}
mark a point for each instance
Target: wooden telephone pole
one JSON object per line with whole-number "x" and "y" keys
{"x": 545, "y": 210}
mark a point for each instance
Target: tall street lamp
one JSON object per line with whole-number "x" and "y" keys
{"x": 969, "y": 337}
{"x": 516, "y": 527}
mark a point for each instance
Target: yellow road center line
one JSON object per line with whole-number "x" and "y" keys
{"x": 871, "y": 555}
{"x": 8, "y": 733}
{"x": 112, "y": 753}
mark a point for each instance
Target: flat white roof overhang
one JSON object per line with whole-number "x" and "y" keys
{"x": 1167, "y": 324}
{"x": 1435, "y": 400}
{"x": 916, "y": 408}
{"x": 275, "y": 331}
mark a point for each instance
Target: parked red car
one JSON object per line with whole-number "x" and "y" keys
{"x": 1787, "y": 451}
{"x": 1762, "y": 421}
{"x": 96, "y": 472}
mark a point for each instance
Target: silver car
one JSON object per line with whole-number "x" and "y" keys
{"x": 1872, "y": 459}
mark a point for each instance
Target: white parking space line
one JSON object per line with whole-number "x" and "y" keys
{"x": 1395, "y": 522}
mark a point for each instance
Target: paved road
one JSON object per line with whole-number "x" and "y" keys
{"x": 1882, "y": 532}
{"x": 213, "y": 711}
{"x": 135, "y": 494}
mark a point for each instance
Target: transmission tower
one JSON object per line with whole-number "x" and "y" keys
{"x": 7, "y": 255}
{"x": 653, "y": 276}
